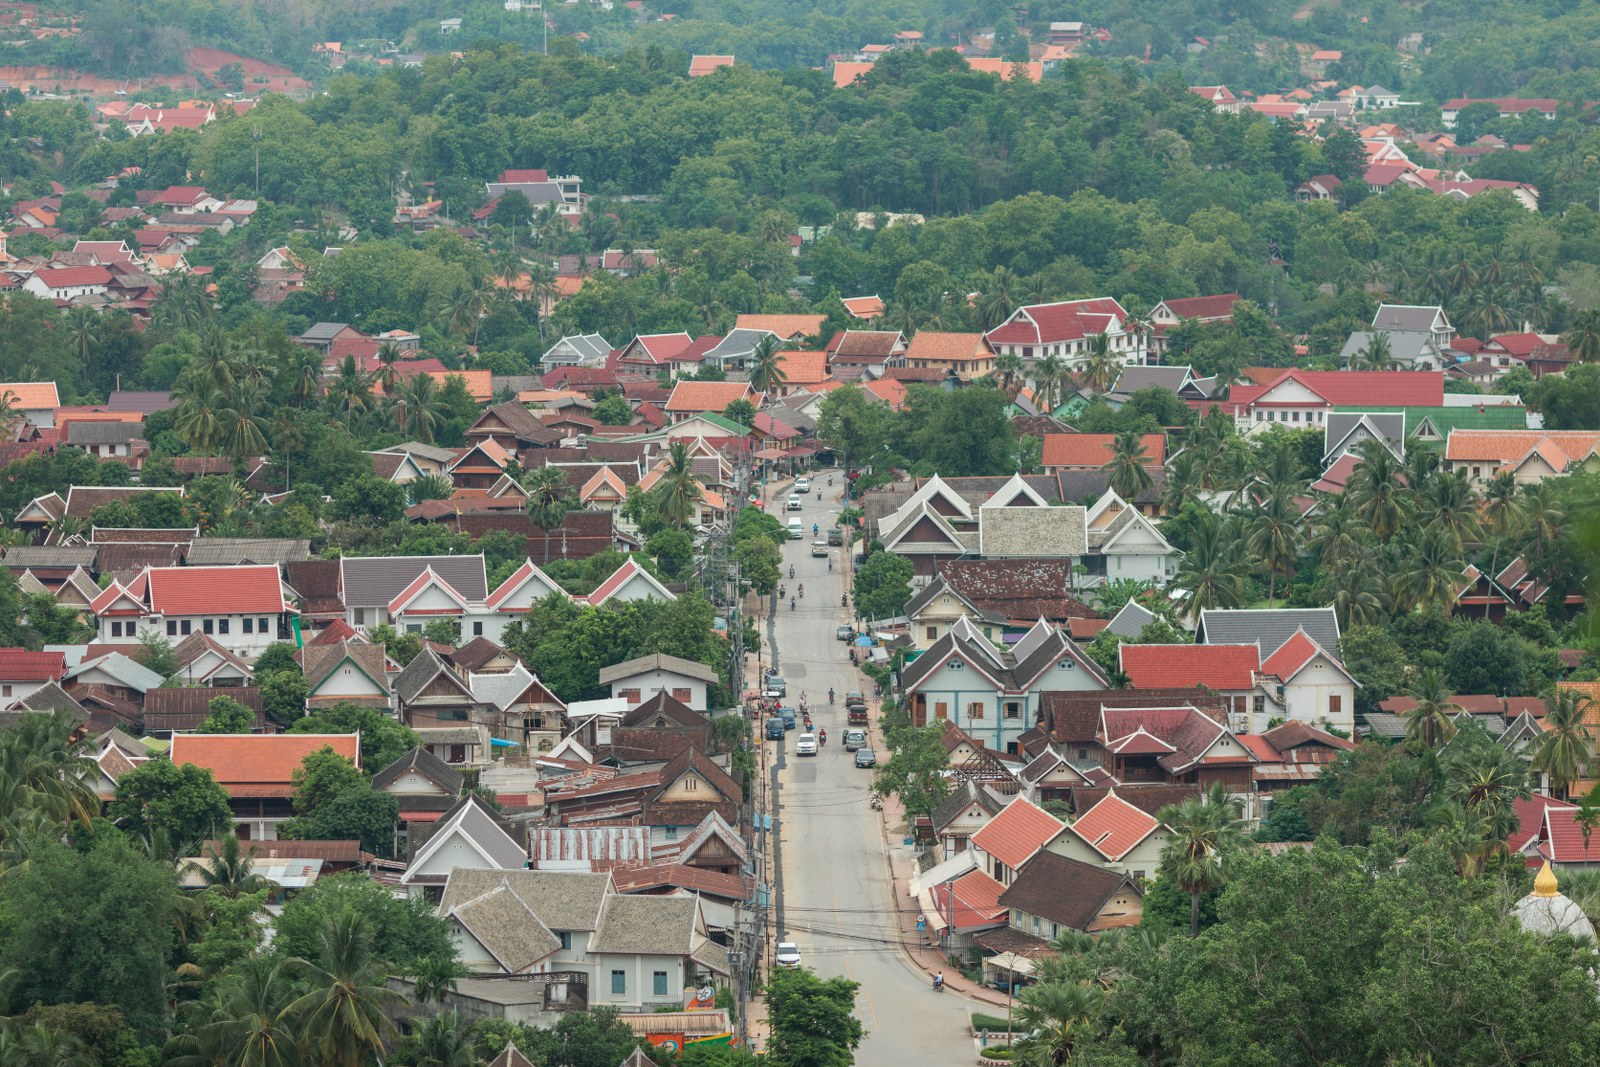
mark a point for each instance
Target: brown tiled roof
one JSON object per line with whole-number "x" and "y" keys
{"x": 874, "y": 345}
{"x": 632, "y": 744}
{"x": 184, "y": 709}
{"x": 317, "y": 581}
{"x": 1149, "y": 798}
{"x": 1021, "y": 589}
{"x": 1075, "y": 717}
{"x": 1062, "y": 890}
{"x": 471, "y": 656}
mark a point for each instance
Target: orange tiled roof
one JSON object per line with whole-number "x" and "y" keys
{"x": 31, "y": 396}
{"x": 1094, "y": 449}
{"x": 1113, "y": 826}
{"x": 1507, "y": 446}
{"x": 706, "y": 396}
{"x": 782, "y": 325}
{"x": 257, "y": 765}
{"x": 888, "y": 390}
{"x": 1020, "y": 830}
{"x": 803, "y": 368}
{"x": 948, "y": 347}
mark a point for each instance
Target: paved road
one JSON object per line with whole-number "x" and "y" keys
{"x": 838, "y": 902}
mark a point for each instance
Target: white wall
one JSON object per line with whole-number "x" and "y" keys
{"x": 236, "y": 640}
{"x": 1306, "y": 698}
{"x": 649, "y": 683}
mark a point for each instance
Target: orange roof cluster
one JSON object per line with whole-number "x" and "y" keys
{"x": 1020, "y": 830}
{"x": 1094, "y": 450}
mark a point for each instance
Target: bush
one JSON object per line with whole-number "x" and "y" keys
{"x": 982, "y": 1022}
{"x": 997, "y": 1052}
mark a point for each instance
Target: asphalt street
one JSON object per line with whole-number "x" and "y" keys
{"x": 837, "y": 896}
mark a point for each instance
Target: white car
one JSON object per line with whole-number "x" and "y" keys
{"x": 805, "y": 745}
{"x": 795, "y": 503}
{"x": 802, "y": 485}
{"x": 788, "y": 955}
{"x": 796, "y": 531}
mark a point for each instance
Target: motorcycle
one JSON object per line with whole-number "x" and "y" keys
{"x": 800, "y": 593}
{"x": 830, "y": 696}
{"x": 791, "y": 570}
{"x": 791, "y": 605}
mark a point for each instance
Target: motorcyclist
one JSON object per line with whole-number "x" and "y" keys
{"x": 791, "y": 570}
{"x": 830, "y": 694}
{"x": 791, "y": 604}
{"x": 938, "y": 982}
{"x": 822, "y": 737}
{"x": 800, "y": 592}
{"x": 816, "y": 528}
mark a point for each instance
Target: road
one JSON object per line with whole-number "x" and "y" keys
{"x": 837, "y": 899}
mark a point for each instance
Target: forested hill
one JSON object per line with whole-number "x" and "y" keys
{"x": 1433, "y": 51}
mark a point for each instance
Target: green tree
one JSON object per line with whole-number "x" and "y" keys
{"x": 369, "y": 499}
{"x": 1055, "y": 1018}
{"x": 383, "y": 740}
{"x": 155, "y": 653}
{"x": 812, "y": 1020}
{"x": 550, "y": 497}
{"x": 1567, "y": 744}
{"x": 227, "y": 716}
{"x": 1206, "y": 833}
{"x": 882, "y": 585}
{"x": 333, "y": 800}
{"x": 917, "y": 770}
{"x": 404, "y": 931}
{"x": 343, "y": 1015}
{"x": 91, "y": 924}
{"x": 677, "y": 493}
{"x": 613, "y": 410}
{"x": 283, "y": 695}
{"x": 1484, "y": 658}
{"x": 760, "y": 563}
{"x": 247, "y": 1021}
{"x": 673, "y": 551}
{"x": 741, "y": 411}
{"x": 1127, "y": 470}
{"x": 853, "y": 424}
{"x": 184, "y": 801}
{"x": 1429, "y": 721}
{"x": 765, "y": 366}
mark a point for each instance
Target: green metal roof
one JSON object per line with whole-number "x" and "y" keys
{"x": 1500, "y": 417}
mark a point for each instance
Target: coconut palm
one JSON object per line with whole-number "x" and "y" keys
{"x": 419, "y": 407}
{"x": 1583, "y": 336}
{"x": 766, "y": 365}
{"x": 550, "y": 497}
{"x": 1339, "y": 537}
{"x": 1543, "y": 518}
{"x": 1450, "y": 509}
{"x": 303, "y": 370}
{"x": 1008, "y": 372}
{"x": 429, "y": 487}
{"x": 435, "y": 976}
{"x": 441, "y": 1042}
{"x": 997, "y": 298}
{"x": 83, "y": 333}
{"x": 247, "y": 1021}
{"x": 229, "y": 869}
{"x": 1182, "y": 486}
{"x": 1355, "y": 597}
{"x": 199, "y": 414}
{"x": 388, "y": 355}
{"x": 1485, "y": 778}
{"x": 1205, "y": 832}
{"x": 1432, "y": 574}
{"x": 1487, "y": 312}
{"x": 244, "y": 430}
{"x": 1127, "y": 470}
{"x": 1375, "y": 490}
{"x": 676, "y": 492}
{"x": 1376, "y": 354}
{"x": 44, "y": 775}
{"x": 351, "y": 391}
{"x": 1566, "y": 746}
{"x": 1048, "y": 375}
{"x": 341, "y": 1019}
{"x": 1101, "y": 366}
{"x": 216, "y": 361}
{"x": 1055, "y": 1016}
{"x": 1275, "y": 535}
{"x": 1212, "y": 572}
{"x": 1430, "y": 720}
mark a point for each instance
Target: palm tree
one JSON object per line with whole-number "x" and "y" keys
{"x": 1419, "y": 469}
{"x": 247, "y": 1021}
{"x": 342, "y": 1019}
{"x": 441, "y": 1042}
{"x": 1354, "y": 598}
{"x": 435, "y": 976}
{"x": 1055, "y": 1016}
{"x": 676, "y": 492}
{"x": 1008, "y": 372}
{"x": 351, "y": 391}
{"x": 1433, "y": 572}
{"x": 1485, "y": 778}
{"x": 230, "y": 870}
{"x": 1566, "y": 746}
{"x": 1543, "y": 518}
{"x": 1127, "y": 472}
{"x": 1101, "y": 366}
{"x": 1501, "y": 509}
{"x": 1452, "y": 510}
{"x": 41, "y": 1046}
{"x": 1487, "y": 312}
{"x": 81, "y": 330}
{"x": 420, "y": 407}
{"x": 550, "y": 497}
{"x": 766, "y": 365}
{"x": 1375, "y": 490}
{"x": 1339, "y": 536}
{"x": 1211, "y": 572}
{"x": 304, "y": 372}
{"x": 198, "y": 417}
{"x": 388, "y": 355}
{"x": 1375, "y": 354}
{"x": 1205, "y": 831}
{"x": 429, "y": 487}
{"x": 245, "y": 431}
{"x": 1275, "y": 535}
{"x": 1182, "y": 485}
{"x": 998, "y": 298}
{"x": 43, "y": 772}
{"x": 1430, "y": 720}
{"x": 216, "y": 360}
{"x": 1048, "y": 375}
{"x": 1583, "y": 336}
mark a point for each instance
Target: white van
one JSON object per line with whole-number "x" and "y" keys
{"x": 796, "y": 532}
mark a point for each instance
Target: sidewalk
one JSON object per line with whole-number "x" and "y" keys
{"x": 902, "y": 859}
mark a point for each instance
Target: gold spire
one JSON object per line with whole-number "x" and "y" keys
{"x": 1544, "y": 885}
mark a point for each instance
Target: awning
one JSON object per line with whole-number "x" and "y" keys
{"x": 930, "y": 911}
{"x": 771, "y": 453}
{"x": 496, "y": 742}
{"x": 945, "y": 871}
{"x": 797, "y": 453}
{"x": 1010, "y": 961}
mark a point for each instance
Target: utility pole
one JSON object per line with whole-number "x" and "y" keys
{"x": 255, "y": 135}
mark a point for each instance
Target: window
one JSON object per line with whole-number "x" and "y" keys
{"x": 1335, "y": 704}
{"x": 975, "y": 710}
{"x": 360, "y": 616}
{"x": 477, "y": 629}
{"x": 222, "y": 626}
{"x": 955, "y": 665}
{"x": 566, "y": 939}
{"x": 458, "y": 754}
{"x": 5, "y": 690}
{"x": 1138, "y": 876}
{"x": 691, "y": 784}
{"x": 1259, "y": 704}
{"x": 658, "y": 983}
{"x": 1296, "y": 417}
{"x": 933, "y": 633}
{"x": 185, "y": 626}
{"x": 1035, "y": 923}
{"x": 630, "y": 695}
{"x": 131, "y": 629}
{"x": 619, "y": 983}
{"x": 172, "y": 627}
{"x": 1067, "y": 665}
{"x": 941, "y": 710}
{"x": 116, "y": 628}
{"x": 413, "y": 627}
{"x": 682, "y": 696}
{"x": 1083, "y": 753}
{"x": 1013, "y": 710}
{"x": 207, "y": 625}
{"x": 261, "y": 625}
{"x": 249, "y": 625}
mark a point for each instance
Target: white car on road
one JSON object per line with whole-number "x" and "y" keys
{"x": 788, "y": 955}
{"x": 805, "y": 745}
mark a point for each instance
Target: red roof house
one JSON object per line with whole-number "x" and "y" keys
{"x": 1224, "y": 668}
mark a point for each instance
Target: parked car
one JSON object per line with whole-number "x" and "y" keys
{"x": 855, "y": 698}
{"x": 865, "y": 758}
{"x": 788, "y": 955}
{"x": 854, "y": 739}
{"x": 788, "y": 717}
{"x": 776, "y": 684}
{"x": 845, "y": 633}
{"x": 776, "y": 728}
{"x": 805, "y": 745}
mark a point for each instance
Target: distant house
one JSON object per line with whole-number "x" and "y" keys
{"x": 1218, "y": 96}
{"x": 968, "y": 356}
{"x": 1530, "y": 456}
{"x": 34, "y": 402}
{"x": 700, "y": 66}
{"x": 67, "y": 283}
{"x": 1305, "y": 398}
{"x": 1507, "y": 107}
{"x": 637, "y": 680}
{"x": 1202, "y": 309}
{"x": 565, "y": 193}
{"x": 1320, "y": 187}
{"x": 22, "y": 673}
{"x": 241, "y": 608}
{"x": 1063, "y": 330}
{"x": 256, "y": 770}
{"x": 1054, "y": 894}
{"x": 577, "y": 350}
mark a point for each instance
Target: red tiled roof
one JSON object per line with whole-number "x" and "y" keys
{"x": 1016, "y": 833}
{"x": 1069, "y": 320}
{"x": 706, "y": 396}
{"x": 66, "y": 277}
{"x": 1225, "y": 668}
{"x": 1203, "y": 307}
{"x": 257, "y": 765}
{"x": 1095, "y": 449}
{"x": 1424, "y": 389}
{"x": 1113, "y": 826}
{"x": 1291, "y": 656}
{"x": 20, "y": 665}
{"x": 246, "y": 590}
{"x": 1530, "y": 820}
{"x": 976, "y": 899}
{"x": 1564, "y": 838}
